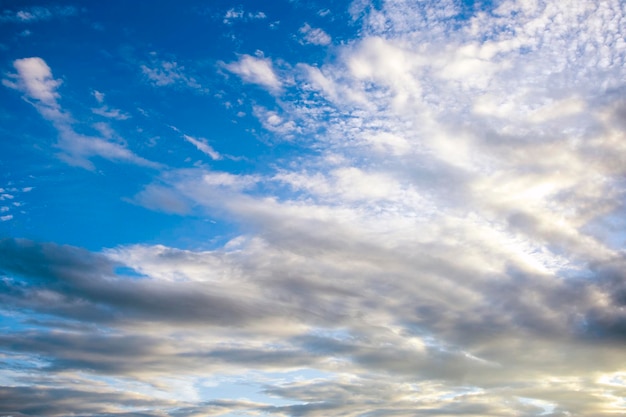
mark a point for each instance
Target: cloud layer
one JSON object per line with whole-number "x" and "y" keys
{"x": 450, "y": 243}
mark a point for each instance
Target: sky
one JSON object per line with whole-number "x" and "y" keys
{"x": 300, "y": 208}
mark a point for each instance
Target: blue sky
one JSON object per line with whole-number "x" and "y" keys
{"x": 298, "y": 208}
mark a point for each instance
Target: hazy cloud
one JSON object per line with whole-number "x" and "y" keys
{"x": 37, "y": 13}
{"x": 315, "y": 36}
{"x": 169, "y": 73}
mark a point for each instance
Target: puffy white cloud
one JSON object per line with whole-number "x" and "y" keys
{"x": 256, "y": 70}
{"x": 35, "y": 77}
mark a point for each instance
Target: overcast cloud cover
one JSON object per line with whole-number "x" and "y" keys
{"x": 385, "y": 208}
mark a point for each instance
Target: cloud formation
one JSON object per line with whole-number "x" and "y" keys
{"x": 37, "y": 13}
{"x": 34, "y": 78}
{"x": 203, "y": 147}
{"x": 256, "y": 70}
{"x": 446, "y": 246}
{"x": 169, "y": 73}
{"x": 315, "y": 36}
{"x": 232, "y": 15}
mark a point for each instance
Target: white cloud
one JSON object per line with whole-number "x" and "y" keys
{"x": 257, "y": 15}
{"x": 110, "y": 113}
{"x": 34, "y": 14}
{"x": 98, "y": 96}
{"x": 106, "y": 111}
{"x": 34, "y": 78}
{"x": 203, "y": 147}
{"x": 315, "y": 36}
{"x": 448, "y": 246}
{"x": 273, "y": 122}
{"x": 324, "y": 12}
{"x": 232, "y": 15}
{"x": 465, "y": 183}
{"x": 257, "y": 71}
{"x": 169, "y": 73}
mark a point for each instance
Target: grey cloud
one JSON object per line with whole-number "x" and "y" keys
{"x": 90, "y": 352}
{"x": 524, "y": 332}
{"x": 80, "y": 280}
{"x": 44, "y": 401}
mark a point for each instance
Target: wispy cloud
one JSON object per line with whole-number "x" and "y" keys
{"x": 106, "y": 111}
{"x": 37, "y": 13}
{"x": 169, "y": 73}
{"x": 203, "y": 147}
{"x": 315, "y": 36}
{"x": 274, "y": 122}
{"x": 34, "y": 78}
{"x": 256, "y": 70}
{"x": 238, "y": 14}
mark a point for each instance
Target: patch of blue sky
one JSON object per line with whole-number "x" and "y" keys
{"x": 546, "y": 407}
{"x": 251, "y": 386}
{"x": 10, "y": 320}
{"x": 461, "y": 391}
{"x": 337, "y": 334}
{"x": 212, "y": 108}
{"x": 128, "y": 272}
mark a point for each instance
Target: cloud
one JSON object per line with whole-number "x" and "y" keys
{"x": 449, "y": 225}
{"x": 232, "y": 15}
{"x": 169, "y": 73}
{"x": 256, "y": 71}
{"x": 36, "y": 13}
{"x": 203, "y": 147}
{"x": 34, "y": 78}
{"x": 106, "y": 111}
{"x": 314, "y": 36}
{"x": 37, "y": 400}
{"x": 273, "y": 122}
{"x": 447, "y": 246}
{"x": 110, "y": 113}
